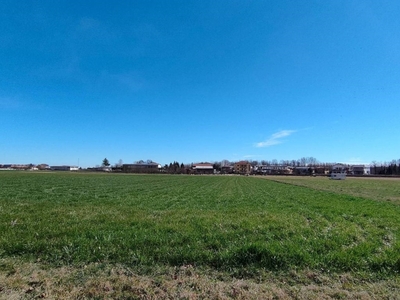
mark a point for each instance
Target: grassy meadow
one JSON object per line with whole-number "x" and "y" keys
{"x": 190, "y": 237}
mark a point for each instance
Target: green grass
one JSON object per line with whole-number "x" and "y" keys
{"x": 380, "y": 189}
{"x": 238, "y": 225}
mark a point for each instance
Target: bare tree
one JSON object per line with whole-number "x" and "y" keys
{"x": 225, "y": 163}
{"x": 253, "y": 163}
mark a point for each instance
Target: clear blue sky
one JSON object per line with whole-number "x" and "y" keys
{"x": 199, "y": 81}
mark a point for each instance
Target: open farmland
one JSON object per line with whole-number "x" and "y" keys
{"x": 71, "y": 235}
{"x": 376, "y": 188}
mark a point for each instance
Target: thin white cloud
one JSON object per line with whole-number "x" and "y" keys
{"x": 275, "y": 138}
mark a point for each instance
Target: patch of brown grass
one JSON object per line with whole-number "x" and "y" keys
{"x": 38, "y": 281}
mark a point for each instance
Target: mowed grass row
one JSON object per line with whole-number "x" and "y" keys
{"x": 230, "y": 223}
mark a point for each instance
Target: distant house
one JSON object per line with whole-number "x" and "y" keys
{"x": 262, "y": 170}
{"x": 340, "y": 168}
{"x": 358, "y": 170}
{"x": 5, "y": 167}
{"x": 101, "y": 169}
{"x": 321, "y": 170}
{"x": 203, "y": 168}
{"x": 303, "y": 171}
{"x": 367, "y": 170}
{"x": 142, "y": 167}
{"x": 64, "y": 168}
{"x": 226, "y": 170}
{"x": 17, "y": 166}
{"x": 242, "y": 167}
{"x": 272, "y": 169}
{"x": 43, "y": 167}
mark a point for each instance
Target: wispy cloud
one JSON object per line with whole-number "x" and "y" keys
{"x": 275, "y": 138}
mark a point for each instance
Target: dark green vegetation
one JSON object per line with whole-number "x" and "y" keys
{"x": 233, "y": 224}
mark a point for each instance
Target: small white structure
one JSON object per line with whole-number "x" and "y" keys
{"x": 338, "y": 172}
{"x": 338, "y": 175}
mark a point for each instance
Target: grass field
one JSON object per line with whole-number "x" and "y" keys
{"x": 75, "y": 235}
{"x": 376, "y": 188}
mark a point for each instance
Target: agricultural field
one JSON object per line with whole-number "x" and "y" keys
{"x": 77, "y": 235}
{"x": 376, "y": 188}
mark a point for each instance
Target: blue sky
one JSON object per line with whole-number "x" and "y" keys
{"x": 199, "y": 81}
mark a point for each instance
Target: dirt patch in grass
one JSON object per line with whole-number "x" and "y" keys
{"x": 99, "y": 281}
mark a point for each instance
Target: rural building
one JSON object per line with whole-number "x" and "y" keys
{"x": 18, "y": 167}
{"x": 357, "y": 170}
{"x": 226, "y": 170}
{"x": 340, "y": 168}
{"x": 5, "y": 167}
{"x": 203, "y": 168}
{"x": 321, "y": 170}
{"x": 43, "y": 167}
{"x": 272, "y": 169}
{"x": 338, "y": 175}
{"x": 367, "y": 170}
{"x": 242, "y": 167}
{"x": 101, "y": 169}
{"x": 142, "y": 167}
{"x": 64, "y": 168}
{"x": 303, "y": 171}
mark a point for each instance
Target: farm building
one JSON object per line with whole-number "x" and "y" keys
{"x": 203, "y": 168}
{"x": 272, "y": 169}
{"x": 242, "y": 167}
{"x": 5, "y": 167}
{"x": 304, "y": 171}
{"x": 64, "y": 168}
{"x": 101, "y": 169}
{"x": 358, "y": 170}
{"x": 43, "y": 167}
{"x": 226, "y": 169}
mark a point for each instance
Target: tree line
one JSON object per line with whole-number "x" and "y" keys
{"x": 386, "y": 168}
